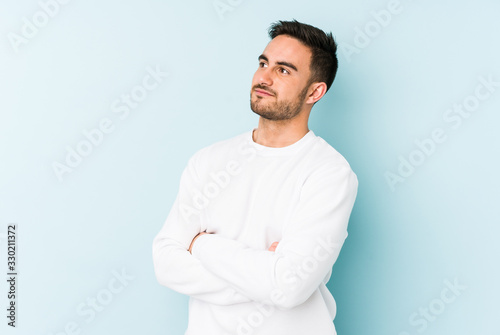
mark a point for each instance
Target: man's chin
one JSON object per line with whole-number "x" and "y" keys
{"x": 265, "y": 114}
{"x": 258, "y": 109}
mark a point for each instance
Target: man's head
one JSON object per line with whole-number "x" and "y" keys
{"x": 324, "y": 63}
{"x": 295, "y": 70}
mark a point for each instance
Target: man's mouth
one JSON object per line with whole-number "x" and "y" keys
{"x": 263, "y": 92}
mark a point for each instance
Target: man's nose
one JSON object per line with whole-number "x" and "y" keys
{"x": 265, "y": 77}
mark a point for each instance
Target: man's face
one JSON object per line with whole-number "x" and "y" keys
{"x": 280, "y": 84}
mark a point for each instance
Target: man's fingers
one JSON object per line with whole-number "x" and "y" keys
{"x": 199, "y": 234}
{"x": 273, "y": 246}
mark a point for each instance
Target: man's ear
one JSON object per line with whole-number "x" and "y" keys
{"x": 316, "y": 92}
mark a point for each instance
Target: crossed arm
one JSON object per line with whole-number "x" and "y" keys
{"x": 271, "y": 248}
{"x": 223, "y": 271}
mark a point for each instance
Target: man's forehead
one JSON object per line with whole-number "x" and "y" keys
{"x": 288, "y": 49}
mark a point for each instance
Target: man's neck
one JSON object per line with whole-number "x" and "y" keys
{"x": 278, "y": 134}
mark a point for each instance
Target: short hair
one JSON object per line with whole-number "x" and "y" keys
{"x": 324, "y": 62}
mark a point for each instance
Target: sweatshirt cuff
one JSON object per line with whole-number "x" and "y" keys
{"x": 198, "y": 245}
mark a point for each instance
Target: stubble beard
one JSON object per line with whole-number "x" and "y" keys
{"x": 278, "y": 110}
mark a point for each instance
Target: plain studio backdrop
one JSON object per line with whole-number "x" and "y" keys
{"x": 102, "y": 104}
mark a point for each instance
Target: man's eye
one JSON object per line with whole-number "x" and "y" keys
{"x": 284, "y": 71}
{"x": 262, "y": 64}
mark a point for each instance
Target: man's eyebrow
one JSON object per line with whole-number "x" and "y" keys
{"x": 264, "y": 58}
{"x": 290, "y": 65}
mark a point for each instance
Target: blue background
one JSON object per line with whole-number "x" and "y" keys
{"x": 393, "y": 88}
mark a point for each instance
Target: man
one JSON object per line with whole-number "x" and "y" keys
{"x": 260, "y": 218}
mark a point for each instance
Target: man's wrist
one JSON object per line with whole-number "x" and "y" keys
{"x": 194, "y": 239}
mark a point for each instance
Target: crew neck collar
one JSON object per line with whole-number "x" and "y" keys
{"x": 287, "y": 150}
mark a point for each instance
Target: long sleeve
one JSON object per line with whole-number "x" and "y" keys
{"x": 174, "y": 266}
{"x": 309, "y": 247}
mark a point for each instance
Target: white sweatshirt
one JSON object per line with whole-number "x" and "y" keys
{"x": 248, "y": 196}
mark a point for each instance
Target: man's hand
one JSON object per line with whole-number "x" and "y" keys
{"x": 273, "y": 246}
{"x": 194, "y": 239}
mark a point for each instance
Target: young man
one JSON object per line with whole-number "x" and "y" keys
{"x": 260, "y": 218}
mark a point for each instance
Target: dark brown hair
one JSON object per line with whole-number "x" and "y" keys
{"x": 324, "y": 63}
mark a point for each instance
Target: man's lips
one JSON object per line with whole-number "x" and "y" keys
{"x": 262, "y": 92}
